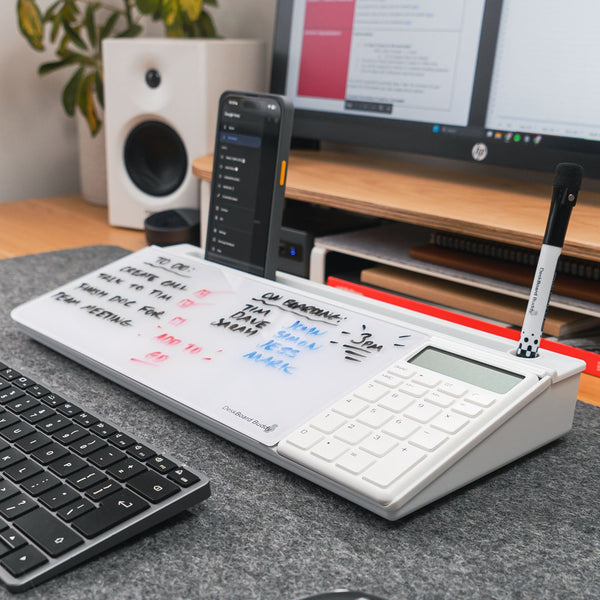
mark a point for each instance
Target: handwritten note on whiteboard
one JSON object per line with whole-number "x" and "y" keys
{"x": 253, "y": 354}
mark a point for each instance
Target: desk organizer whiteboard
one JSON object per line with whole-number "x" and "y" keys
{"x": 388, "y": 408}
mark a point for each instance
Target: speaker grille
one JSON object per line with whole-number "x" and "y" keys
{"x": 155, "y": 158}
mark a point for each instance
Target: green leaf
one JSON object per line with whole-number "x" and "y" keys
{"x": 108, "y": 27}
{"x": 132, "y": 31}
{"x": 71, "y": 92}
{"x": 72, "y": 35}
{"x": 85, "y": 101}
{"x": 170, "y": 13}
{"x": 90, "y": 26}
{"x": 191, "y": 9}
{"x": 99, "y": 87}
{"x": 30, "y": 23}
{"x": 148, "y": 7}
{"x": 55, "y": 29}
{"x": 49, "y": 67}
{"x": 49, "y": 14}
{"x": 208, "y": 27}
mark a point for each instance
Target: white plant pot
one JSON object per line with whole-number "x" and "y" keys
{"x": 92, "y": 163}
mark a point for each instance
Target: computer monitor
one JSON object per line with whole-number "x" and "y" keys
{"x": 503, "y": 82}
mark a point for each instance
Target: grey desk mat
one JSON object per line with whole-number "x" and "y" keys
{"x": 531, "y": 530}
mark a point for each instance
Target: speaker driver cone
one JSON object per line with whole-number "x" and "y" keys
{"x": 155, "y": 158}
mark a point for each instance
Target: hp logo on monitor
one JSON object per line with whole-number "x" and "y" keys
{"x": 479, "y": 152}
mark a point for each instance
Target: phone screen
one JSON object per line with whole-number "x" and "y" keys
{"x": 246, "y": 169}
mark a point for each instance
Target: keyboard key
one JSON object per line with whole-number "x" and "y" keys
{"x": 141, "y": 452}
{"x": 7, "y": 419}
{"x": 53, "y": 400}
{"x": 10, "y": 457}
{"x": 106, "y": 488}
{"x": 12, "y": 539}
{"x": 23, "y": 560}
{"x": 10, "y": 394}
{"x": 49, "y": 453}
{"x": 126, "y": 469}
{"x": 17, "y": 431}
{"x": 32, "y": 442}
{"x": 21, "y": 404}
{"x": 9, "y": 374}
{"x": 59, "y": 497}
{"x": 70, "y": 434}
{"x": 68, "y": 409}
{"x": 75, "y": 509}
{"x": 120, "y": 440}
{"x": 152, "y": 486}
{"x": 102, "y": 429}
{"x": 183, "y": 477}
{"x": 161, "y": 464}
{"x": 86, "y": 478}
{"x": 87, "y": 445}
{"x": 67, "y": 465}
{"x": 48, "y": 532}
{"x": 22, "y": 382}
{"x": 37, "y": 391}
{"x": 39, "y": 413}
{"x": 112, "y": 511}
{"x": 7, "y": 490}
{"x": 22, "y": 470}
{"x": 40, "y": 483}
{"x": 16, "y": 506}
{"x": 105, "y": 457}
{"x": 85, "y": 419}
{"x": 54, "y": 423}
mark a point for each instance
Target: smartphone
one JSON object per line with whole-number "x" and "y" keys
{"x": 250, "y": 161}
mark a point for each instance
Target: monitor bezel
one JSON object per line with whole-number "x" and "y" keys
{"x": 311, "y": 126}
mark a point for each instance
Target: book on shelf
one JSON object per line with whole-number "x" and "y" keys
{"x": 567, "y": 265}
{"x": 491, "y": 305}
{"x": 566, "y": 285}
{"x": 592, "y": 359}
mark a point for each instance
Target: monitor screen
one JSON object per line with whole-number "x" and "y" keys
{"x": 504, "y": 82}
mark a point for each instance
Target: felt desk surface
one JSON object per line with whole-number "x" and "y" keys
{"x": 530, "y": 530}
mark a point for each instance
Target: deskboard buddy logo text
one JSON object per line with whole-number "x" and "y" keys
{"x": 240, "y": 415}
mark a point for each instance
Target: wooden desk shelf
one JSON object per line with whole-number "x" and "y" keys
{"x": 497, "y": 209}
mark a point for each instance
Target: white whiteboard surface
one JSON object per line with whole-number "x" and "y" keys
{"x": 255, "y": 355}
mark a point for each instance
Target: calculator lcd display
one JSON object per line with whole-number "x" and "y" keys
{"x": 466, "y": 370}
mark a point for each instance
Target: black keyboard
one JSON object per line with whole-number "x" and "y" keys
{"x": 73, "y": 485}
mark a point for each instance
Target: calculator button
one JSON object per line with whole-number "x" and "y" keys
{"x": 481, "y": 399}
{"x": 452, "y": 388}
{"x": 450, "y": 422}
{"x": 392, "y": 466}
{"x": 305, "y": 438}
{"x": 378, "y": 444}
{"x": 428, "y": 439}
{"x": 350, "y": 406}
{"x": 422, "y": 412}
{"x": 352, "y": 433}
{"x": 440, "y": 399}
{"x": 388, "y": 379}
{"x": 396, "y": 401}
{"x": 401, "y": 428}
{"x": 414, "y": 389}
{"x": 355, "y": 461}
{"x": 328, "y": 422}
{"x": 329, "y": 450}
{"x": 371, "y": 391}
{"x": 402, "y": 370}
{"x": 467, "y": 409}
{"x": 375, "y": 417}
{"x": 429, "y": 380}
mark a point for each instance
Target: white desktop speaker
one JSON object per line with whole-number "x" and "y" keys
{"x": 161, "y": 99}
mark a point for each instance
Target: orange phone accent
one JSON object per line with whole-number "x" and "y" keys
{"x": 282, "y": 175}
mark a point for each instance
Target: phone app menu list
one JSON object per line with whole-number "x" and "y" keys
{"x": 236, "y": 173}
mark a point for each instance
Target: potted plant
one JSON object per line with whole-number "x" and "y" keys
{"x": 76, "y": 28}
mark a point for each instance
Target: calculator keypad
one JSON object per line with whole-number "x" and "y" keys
{"x": 390, "y": 431}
